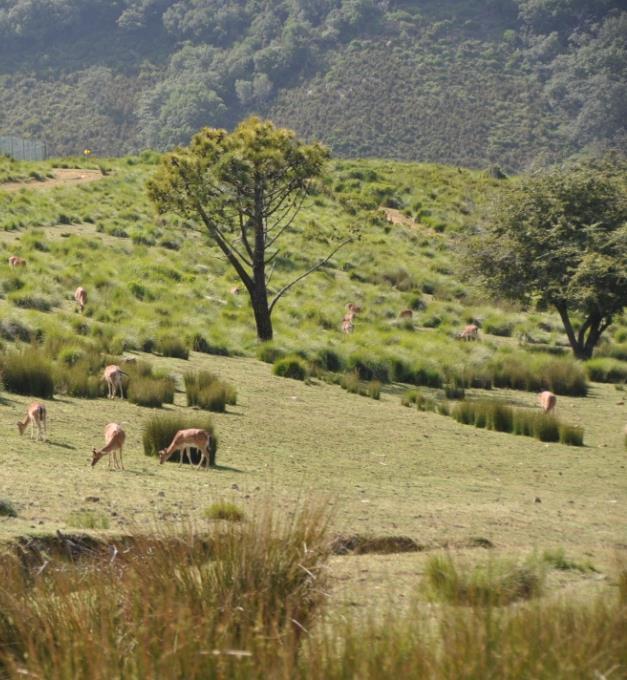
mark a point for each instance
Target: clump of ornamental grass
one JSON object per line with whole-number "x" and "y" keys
{"x": 496, "y": 583}
{"x": 28, "y": 372}
{"x": 608, "y": 370}
{"x": 145, "y": 387}
{"x": 234, "y": 601}
{"x": 169, "y": 346}
{"x": 6, "y": 508}
{"x": 159, "y": 431}
{"x": 291, "y": 366}
{"x": 79, "y": 381}
{"x": 224, "y": 510}
{"x": 88, "y": 519}
{"x": 207, "y": 391}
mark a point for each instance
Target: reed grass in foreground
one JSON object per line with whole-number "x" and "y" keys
{"x": 232, "y": 602}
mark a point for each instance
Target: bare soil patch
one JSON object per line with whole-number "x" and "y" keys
{"x": 62, "y": 177}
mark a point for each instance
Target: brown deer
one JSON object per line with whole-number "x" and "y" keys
{"x": 547, "y": 401}
{"x": 470, "y": 332}
{"x": 186, "y": 439}
{"x": 80, "y": 295}
{"x": 37, "y": 417}
{"x": 347, "y": 322}
{"x": 114, "y": 441}
{"x": 113, "y": 376}
{"x": 15, "y": 261}
{"x": 406, "y": 314}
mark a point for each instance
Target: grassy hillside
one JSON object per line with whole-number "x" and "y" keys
{"x": 513, "y": 83}
{"x": 489, "y": 518}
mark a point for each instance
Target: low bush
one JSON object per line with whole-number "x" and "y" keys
{"x": 369, "y": 367}
{"x": 328, "y": 360}
{"x": 172, "y": 347}
{"x": 225, "y": 511}
{"x": 152, "y": 391}
{"x": 79, "y": 381}
{"x": 27, "y": 372}
{"x": 543, "y": 372}
{"x": 15, "y": 330}
{"x": 201, "y": 344}
{"x": 88, "y": 519}
{"x": 454, "y": 392}
{"x": 159, "y": 431}
{"x": 497, "y": 583}
{"x": 291, "y": 366}
{"x": 30, "y": 302}
{"x": 493, "y": 415}
{"x": 207, "y": 391}
{"x": 607, "y": 370}
{"x": 7, "y": 509}
{"x": 268, "y": 353}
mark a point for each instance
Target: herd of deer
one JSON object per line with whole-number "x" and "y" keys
{"x": 185, "y": 440}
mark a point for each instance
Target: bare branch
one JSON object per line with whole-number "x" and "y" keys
{"x": 284, "y": 290}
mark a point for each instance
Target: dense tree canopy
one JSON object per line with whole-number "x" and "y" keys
{"x": 560, "y": 239}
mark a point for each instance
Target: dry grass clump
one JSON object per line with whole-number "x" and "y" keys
{"x": 88, "y": 519}
{"x": 148, "y": 388}
{"x": 292, "y": 366}
{"x": 232, "y": 602}
{"x": 225, "y": 511}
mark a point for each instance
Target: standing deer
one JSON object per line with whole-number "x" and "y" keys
{"x": 37, "y": 417}
{"x": 470, "y": 332}
{"x": 547, "y": 401}
{"x": 15, "y": 261}
{"x": 185, "y": 439}
{"x": 80, "y": 295}
{"x": 114, "y": 441}
{"x": 113, "y": 376}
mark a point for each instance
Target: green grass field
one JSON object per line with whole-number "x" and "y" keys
{"x": 383, "y": 470}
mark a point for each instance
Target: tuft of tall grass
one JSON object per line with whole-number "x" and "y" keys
{"x": 225, "y": 511}
{"x": 151, "y": 391}
{"x": 497, "y": 583}
{"x": 159, "y": 431}
{"x": 607, "y": 370}
{"x": 542, "y": 372}
{"x": 172, "y": 347}
{"x": 27, "y": 371}
{"x": 269, "y": 353}
{"x": 78, "y": 381}
{"x": 291, "y": 366}
{"x": 233, "y": 601}
{"x": 7, "y": 509}
{"x": 207, "y": 391}
{"x": 493, "y": 415}
{"x": 88, "y": 519}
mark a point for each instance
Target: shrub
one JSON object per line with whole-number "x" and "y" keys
{"x": 200, "y": 344}
{"x": 607, "y": 370}
{"x": 373, "y": 389}
{"x": 159, "y": 430}
{"x": 291, "y": 366}
{"x": 454, "y": 392}
{"x": 207, "y": 391}
{"x": 78, "y": 381}
{"x": 172, "y": 347}
{"x": 151, "y": 391}
{"x": 328, "y": 359}
{"x": 27, "y": 372}
{"x": 30, "y": 302}
{"x": 14, "y": 330}
{"x": 369, "y": 367}
{"x": 546, "y": 428}
{"x": 562, "y": 376}
{"x": 571, "y": 435}
{"x": 88, "y": 519}
{"x": 7, "y": 509}
{"x": 269, "y": 353}
{"x": 224, "y": 510}
{"x": 499, "y": 582}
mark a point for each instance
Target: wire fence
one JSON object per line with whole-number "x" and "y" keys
{"x": 23, "y": 149}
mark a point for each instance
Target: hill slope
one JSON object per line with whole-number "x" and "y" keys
{"x": 472, "y": 83}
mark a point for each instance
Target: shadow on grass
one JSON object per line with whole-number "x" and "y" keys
{"x": 61, "y": 445}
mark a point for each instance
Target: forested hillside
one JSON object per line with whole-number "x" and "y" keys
{"x": 470, "y": 82}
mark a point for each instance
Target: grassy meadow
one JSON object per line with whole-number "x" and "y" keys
{"x": 373, "y": 468}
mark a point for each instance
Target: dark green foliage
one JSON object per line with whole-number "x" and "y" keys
{"x": 7, "y": 509}
{"x": 30, "y": 302}
{"x": 200, "y": 344}
{"x": 150, "y": 391}
{"x": 561, "y": 376}
{"x": 571, "y": 435}
{"x": 27, "y": 371}
{"x": 291, "y": 366}
{"x": 454, "y": 392}
{"x": 159, "y": 430}
{"x": 328, "y": 359}
{"x": 369, "y": 367}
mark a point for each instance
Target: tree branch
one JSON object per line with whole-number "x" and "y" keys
{"x": 284, "y": 290}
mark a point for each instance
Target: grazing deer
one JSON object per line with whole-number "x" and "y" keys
{"x": 114, "y": 441}
{"x": 15, "y": 261}
{"x": 186, "y": 439}
{"x": 406, "y": 314}
{"x": 547, "y": 401}
{"x": 353, "y": 309}
{"x": 36, "y": 416}
{"x": 113, "y": 376}
{"x": 470, "y": 332}
{"x": 80, "y": 295}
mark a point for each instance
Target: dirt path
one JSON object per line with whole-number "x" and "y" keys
{"x": 62, "y": 177}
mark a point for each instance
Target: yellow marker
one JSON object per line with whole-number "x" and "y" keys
{"x": 87, "y": 152}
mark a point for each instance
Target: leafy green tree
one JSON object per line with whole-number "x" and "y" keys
{"x": 245, "y": 188}
{"x": 560, "y": 239}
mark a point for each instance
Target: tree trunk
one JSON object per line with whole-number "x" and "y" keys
{"x": 582, "y": 347}
{"x": 262, "y": 315}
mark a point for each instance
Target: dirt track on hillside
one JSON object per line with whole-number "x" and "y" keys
{"x": 62, "y": 177}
